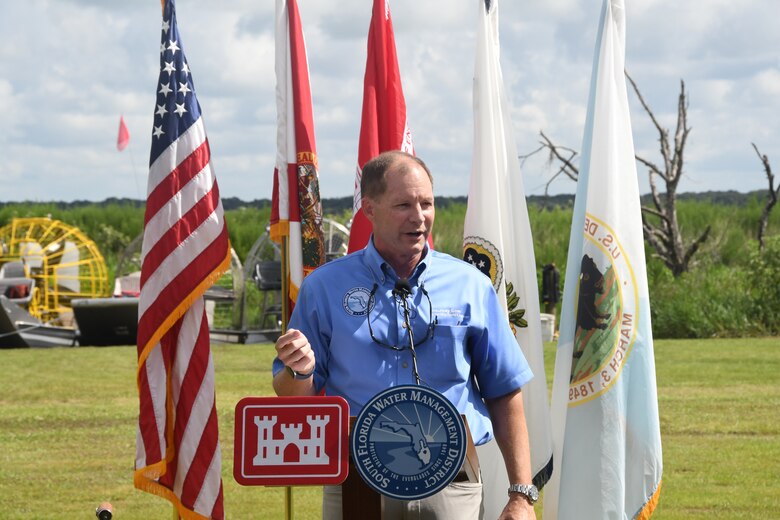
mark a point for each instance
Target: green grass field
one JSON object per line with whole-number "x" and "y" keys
{"x": 68, "y": 419}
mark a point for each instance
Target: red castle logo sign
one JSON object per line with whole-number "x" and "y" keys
{"x": 282, "y": 441}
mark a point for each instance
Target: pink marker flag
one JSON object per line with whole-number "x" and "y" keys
{"x": 123, "y": 139}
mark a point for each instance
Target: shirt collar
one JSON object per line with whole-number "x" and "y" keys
{"x": 382, "y": 270}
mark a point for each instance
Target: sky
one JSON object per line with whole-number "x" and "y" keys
{"x": 70, "y": 68}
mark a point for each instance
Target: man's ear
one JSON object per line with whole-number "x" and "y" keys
{"x": 368, "y": 208}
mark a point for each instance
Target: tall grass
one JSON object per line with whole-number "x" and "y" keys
{"x": 728, "y": 291}
{"x": 732, "y": 230}
{"x": 245, "y": 226}
{"x": 551, "y": 231}
{"x": 685, "y": 307}
{"x": 448, "y": 230}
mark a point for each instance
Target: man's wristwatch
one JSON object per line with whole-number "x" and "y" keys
{"x": 529, "y": 491}
{"x": 298, "y": 375}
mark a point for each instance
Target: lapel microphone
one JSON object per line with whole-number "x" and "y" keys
{"x": 403, "y": 289}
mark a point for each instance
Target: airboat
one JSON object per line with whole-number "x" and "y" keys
{"x": 55, "y": 290}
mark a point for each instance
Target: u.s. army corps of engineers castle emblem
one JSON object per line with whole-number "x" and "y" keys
{"x": 408, "y": 442}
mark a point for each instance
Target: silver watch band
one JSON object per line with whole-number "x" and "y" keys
{"x": 529, "y": 491}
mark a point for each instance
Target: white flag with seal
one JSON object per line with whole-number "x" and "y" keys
{"x": 604, "y": 403}
{"x": 497, "y": 239}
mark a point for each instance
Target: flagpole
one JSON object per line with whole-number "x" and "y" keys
{"x": 285, "y": 297}
{"x": 122, "y": 142}
{"x": 285, "y": 282}
{"x": 135, "y": 172}
{"x": 288, "y": 502}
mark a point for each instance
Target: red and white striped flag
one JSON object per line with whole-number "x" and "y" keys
{"x": 296, "y": 208}
{"x": 185, "y": 249}
{"x": 123, "y": 138}
{"x": 383, "y": 126}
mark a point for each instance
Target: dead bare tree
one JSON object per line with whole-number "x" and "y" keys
{"x": 664, "y": 235}
{"x": 565, "y": 156}
{"x": 660, "y": 224}
{"x": 771, "y": 198}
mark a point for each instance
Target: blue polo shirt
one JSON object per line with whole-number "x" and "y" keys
{"x": 465, "y": 347}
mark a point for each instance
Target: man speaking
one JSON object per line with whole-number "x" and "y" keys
{"x": 399, "y": 313}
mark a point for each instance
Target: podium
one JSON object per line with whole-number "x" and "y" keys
{"x": 359, "y": 501}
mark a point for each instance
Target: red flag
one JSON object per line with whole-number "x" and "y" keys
{"x": 185, "y": 249}
{"x": 384, "y": 125}
{"x": 296, "y": 207}
{"x": 123, "y": 139}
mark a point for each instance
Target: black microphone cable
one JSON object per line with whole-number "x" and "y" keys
{"x": 402, "y": 290}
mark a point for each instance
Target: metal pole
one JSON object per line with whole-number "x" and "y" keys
{"x": 285, "y": 283}
{"x": 288, "y": 494}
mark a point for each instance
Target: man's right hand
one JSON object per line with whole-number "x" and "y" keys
{"x": 293, "y": 350}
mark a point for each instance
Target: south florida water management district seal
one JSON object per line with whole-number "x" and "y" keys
{"x": 408, "y": 442}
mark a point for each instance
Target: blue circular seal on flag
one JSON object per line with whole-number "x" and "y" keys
{"x": 408, "y": 442}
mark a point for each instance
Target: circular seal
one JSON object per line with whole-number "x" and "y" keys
{"x": 408, "y": 442}
{"x": 607, "y": 313}
{"x": 484, "y": 256}
{"x": 357, "y": 301}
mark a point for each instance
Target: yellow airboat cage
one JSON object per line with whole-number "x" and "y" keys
{"x": 63, "y": 263}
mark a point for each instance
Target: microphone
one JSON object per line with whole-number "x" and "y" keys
{"x": 104, "y": 511}
{"x": 403, "y": 289}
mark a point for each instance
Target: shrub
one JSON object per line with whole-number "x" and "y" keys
{"x": 702, "y": 303}
{"x": 764, "y": 283}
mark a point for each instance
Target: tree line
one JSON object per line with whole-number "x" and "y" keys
{"x": 730, "y": 288}
{"x": 339, "y": 205}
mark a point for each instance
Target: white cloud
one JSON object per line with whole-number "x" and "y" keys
{"x": 767, "y": 84}
{"x": 63, "y": 88}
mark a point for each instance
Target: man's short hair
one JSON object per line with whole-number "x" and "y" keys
{"x": 373, "y": 183}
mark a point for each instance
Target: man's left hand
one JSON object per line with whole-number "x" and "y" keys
{"x": 518, "y": 508}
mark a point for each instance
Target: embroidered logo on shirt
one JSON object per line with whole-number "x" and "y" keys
{"x": 356, "y": 301}
{"x": 448, "y": 316}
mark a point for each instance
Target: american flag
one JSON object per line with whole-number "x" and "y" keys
{"x": 185, "y": 249}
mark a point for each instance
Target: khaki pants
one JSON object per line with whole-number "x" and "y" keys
{"x": 458, "y": 501}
